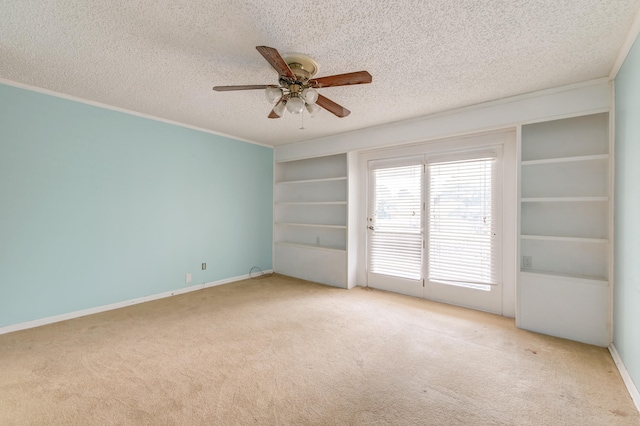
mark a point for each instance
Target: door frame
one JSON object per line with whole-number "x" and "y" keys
{"x": 507, "y": 139}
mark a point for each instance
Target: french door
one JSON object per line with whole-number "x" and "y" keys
{"x": 396, "y": 225}
{"x": 433, "y": 228}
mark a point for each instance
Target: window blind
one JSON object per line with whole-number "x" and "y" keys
{"x": 396, "y": 241}
{"x": 462, "y": 248}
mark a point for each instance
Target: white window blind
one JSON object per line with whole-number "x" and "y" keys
{"x": 396, "y": 241}
{"x": 462, "y": 243}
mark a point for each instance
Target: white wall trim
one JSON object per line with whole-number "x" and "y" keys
{"x": 118, "y": 305}
{"x": 626, "y": 47}
{"x": 631, "y": 387}
{"x": 612, "y": 203}
{"x": 123, "y": 110}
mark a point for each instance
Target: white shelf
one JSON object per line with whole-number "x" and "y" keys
{"x": 568, "y": 219}
{"x": 567, "y": 239}
{"x": 311, "y": 203}
{"x": 312, "y": 225}
{"x": 577, "y": 176}
{"x": 584, "y": 279}
{"x": 312, "y": 219}
{"x": 308, "y": 246}
{"x": 566, "y": 159}
{"x": 320, "y": 190}
{"x": 565, "y": 138}
{"x": 572, "y": 256}
{"x": 563, "y": 199}
{"x": 565, "y": 216}
{"x": 304, "y": 181}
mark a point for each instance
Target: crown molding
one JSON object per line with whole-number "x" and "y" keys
{"x": 626, "y": 47}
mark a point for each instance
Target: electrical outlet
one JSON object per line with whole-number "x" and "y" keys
{"x": 527, "y": 262}
{"x": 204, "y": 266}
{"x": 187, "y": 278}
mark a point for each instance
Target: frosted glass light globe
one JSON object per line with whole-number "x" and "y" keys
{"x": 312, "y": 109}
{"x": 279, "y": 109}
{"x": 310, "y": 95}
{"x": 273, "y": 94}
{"x": 295, "y": 105}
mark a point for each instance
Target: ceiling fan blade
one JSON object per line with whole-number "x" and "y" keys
{"x": 245, "y": 87}
{"x": 332, "y": 107}
{"x": 275, "y": 59}
{"x": 273, "y": 114}
{"x": 360, "y": 77}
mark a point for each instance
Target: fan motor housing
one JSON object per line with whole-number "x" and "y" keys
{"x": 304, "y": 67}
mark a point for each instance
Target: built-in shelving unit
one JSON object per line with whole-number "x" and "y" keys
{"x": 311, "y": 219}
{"x": 564, "y": 228}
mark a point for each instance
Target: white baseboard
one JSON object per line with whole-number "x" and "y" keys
{"x": 631, "y": 387}
{"x": 98, "y": 309}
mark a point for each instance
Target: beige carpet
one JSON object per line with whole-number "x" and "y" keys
{"x": 283, "y": 351}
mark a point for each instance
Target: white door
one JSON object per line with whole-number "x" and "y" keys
{"x": 434, "y": 228}
{"x": 396, "y": 225}
{"x": 463, "y": 257}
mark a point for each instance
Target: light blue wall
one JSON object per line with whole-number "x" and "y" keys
{"x": 626, "y": 308}
{"x": 98, "y": 206}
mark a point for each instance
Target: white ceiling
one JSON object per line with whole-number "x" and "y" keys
{"x": 162, "y": 57}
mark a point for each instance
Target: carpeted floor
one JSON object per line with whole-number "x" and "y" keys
{"x": 283, "y": 351}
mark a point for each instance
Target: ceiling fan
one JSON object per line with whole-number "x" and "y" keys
{"x": 296, "y": 86}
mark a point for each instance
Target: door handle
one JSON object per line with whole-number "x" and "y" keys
{"x": 370, "y": 227}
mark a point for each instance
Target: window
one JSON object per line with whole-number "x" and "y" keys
{"x": 462, "y": 248}
{"x": 396, "y": 240}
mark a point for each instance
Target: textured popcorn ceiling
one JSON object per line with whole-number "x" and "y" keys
{"x": 163, "y": 57}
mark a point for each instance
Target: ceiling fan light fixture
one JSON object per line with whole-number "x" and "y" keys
{"x": 273, "y": 94}
{"x": 312, "y": 109}
{"x": 295, "y": 105}
{"x": 310, "y": 95}
{"x": 296, "y": 84}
